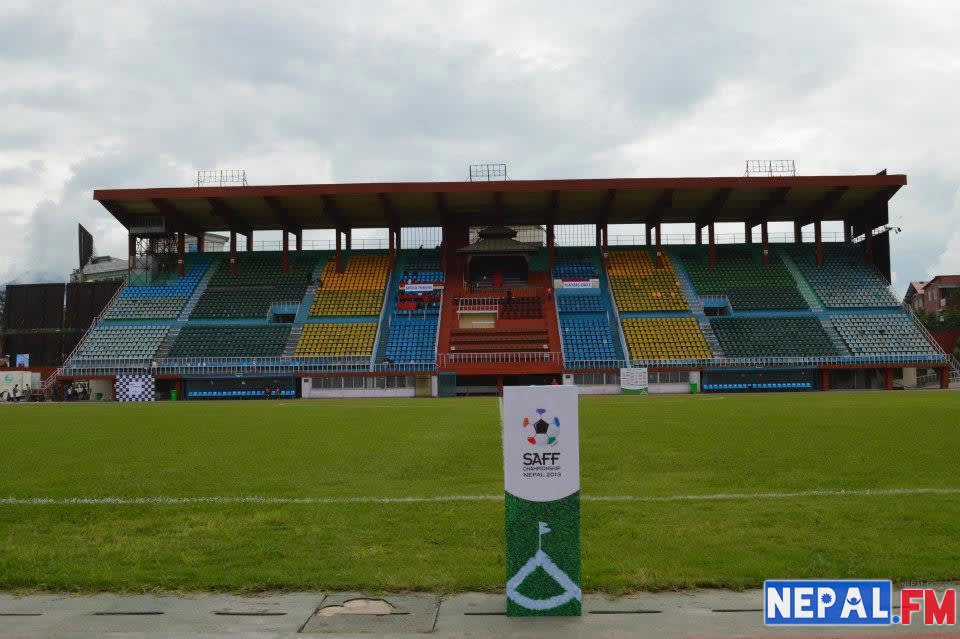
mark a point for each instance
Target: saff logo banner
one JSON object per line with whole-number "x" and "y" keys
{"x": 541, "y": 462}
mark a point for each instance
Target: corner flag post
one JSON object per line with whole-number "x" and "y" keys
{"x": 541, "y": 461}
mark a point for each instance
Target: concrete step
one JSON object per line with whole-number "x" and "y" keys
{"x": 168, "y": 341}
{"x": 711, "y": 338}
{"x": 290, "y": 348}
{"x": 198, "y": 292}
{"x": 805, "y": 290}
{"x": 828, "y": 327}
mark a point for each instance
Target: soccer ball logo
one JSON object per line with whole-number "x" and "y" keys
{"x": 541, "y": 431}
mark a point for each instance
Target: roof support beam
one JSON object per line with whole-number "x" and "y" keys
{"x": 821, "y": 208}
{"x": 223, "y": 211}
{"x": 283, "y": 214}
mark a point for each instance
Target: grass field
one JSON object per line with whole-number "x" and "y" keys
{"x": 638, "y": 446}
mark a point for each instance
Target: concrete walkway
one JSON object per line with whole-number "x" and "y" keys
{"x": 709, "y": 613}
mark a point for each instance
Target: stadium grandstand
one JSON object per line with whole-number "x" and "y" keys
{"x": 448, "y": 315}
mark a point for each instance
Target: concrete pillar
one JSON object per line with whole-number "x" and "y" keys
{"x": 646, "y": 230}
{"x": 285, "y": 261}
{"x": 825, "y": 379}
{"x": 339, "y": 253}
{"x": 797, "y": 232}
{"x": 818, "y": 239}
{"x": 712, "y": 248}
{"x": 201, "y": 241}
{"x": 181, "y": 249}
{"x": 131, "y": 251}
{"x": 847, "y": 235}
{"x": 909, "y": 378}
{"x": 748, "y": 232}
{"x": 659, "y": 246}
{"x": 888, "y": 379}
{"x": 551, "y": 248}
{"x": 605, "y": 239}
{"x": 869, "y": 243}
{"x": 299, "y": 238}
{"x": 233, "y": 252}
{"x": 250, "y": 241}
{"x": 766, "y": 243}
{"x": 348, "y": 235}
{"x": 698, "y": 234}
{"x": 945, "y": 377}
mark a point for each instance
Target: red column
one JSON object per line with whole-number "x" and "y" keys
{"x": 131, "y": 251}
{"x": 233, "y": 252}
{"x": 818, "y": 238}
{"x": 550, "y": 246}
{"x": 286, "y": 250}
{"x": 659, "y": 246}
{"x": 391, "y": 249}
{"x": 766, "y": 243}
{"x": 339, "y": 254}
{"x": 825, "y": 379}
{"x": 888, "y": 379}
{"x": 797, "y": 232}
{"x": 869, "y": 242}
{"x": 748, "y": 232}
{"x": 945, "y": 377}
{"x": 201, "y": 241}
{"x": 181, "y": 236}
{"x": 712, "y": 248}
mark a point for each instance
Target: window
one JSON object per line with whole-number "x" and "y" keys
{"x": 670, "y": 377}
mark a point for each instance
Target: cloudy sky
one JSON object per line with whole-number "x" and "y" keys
{"x": 144, "y": 94}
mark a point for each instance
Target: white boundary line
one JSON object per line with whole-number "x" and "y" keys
{"x": 180, "y": 501}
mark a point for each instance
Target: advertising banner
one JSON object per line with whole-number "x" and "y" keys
{"x": 634, "y": 380}
{"x": 541, "y": 465}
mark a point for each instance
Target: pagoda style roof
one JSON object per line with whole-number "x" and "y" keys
{"x": 498, "y": 240}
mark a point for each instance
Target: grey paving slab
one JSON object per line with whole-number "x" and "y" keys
{"x": 707, "y": 613}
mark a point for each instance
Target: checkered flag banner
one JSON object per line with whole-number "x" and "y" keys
{"x": 140, "y": 387}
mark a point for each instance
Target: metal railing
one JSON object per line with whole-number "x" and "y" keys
{"x": 518, "y": 357}
{"x": 479, "y": 304}
{"x": 780, "y": 237}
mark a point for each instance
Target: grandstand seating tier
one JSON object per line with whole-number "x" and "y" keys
{"x": 845, "y": 280}
{"x": 121, "y": 342}
{"x": 337, "y": 340}
{"x": 741, "y": 277}
{"x": 665, "y": 338}
{"x": 233, "y": 341}
{"x": 882, "y": 334}
{"x": 790, "y": 336}
{"x": 638, "y": 284}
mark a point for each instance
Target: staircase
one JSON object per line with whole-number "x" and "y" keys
{"x": 832, "y": 333}
{"x": 164, "y": 349}
{"x": 198, "y": 292}
{"x": 307, "y": 303}
{"x": 290, "y": 348}
{"x": 686, "y": 285}
{"x": 710, "y": 337}
{"x": 809, "y": 296}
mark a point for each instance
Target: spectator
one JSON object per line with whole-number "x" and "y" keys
{"x": 16, "y": 392}
{"x": 277, "y": 392}
{"x": 26, "y": 392}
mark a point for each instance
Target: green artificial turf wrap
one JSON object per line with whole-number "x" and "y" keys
{"x": 543, "y": 556}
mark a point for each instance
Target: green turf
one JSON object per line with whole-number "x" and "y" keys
{"x": 632, "y": 445}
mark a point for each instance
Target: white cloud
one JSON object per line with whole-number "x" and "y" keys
{"x": 103, "y": 95}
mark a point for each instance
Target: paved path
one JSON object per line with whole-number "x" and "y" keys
{"x": 708, "y": 613}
